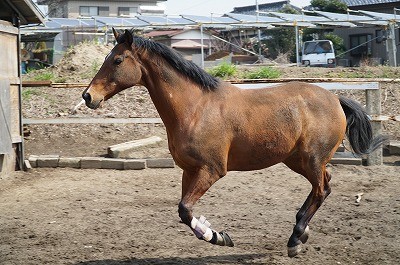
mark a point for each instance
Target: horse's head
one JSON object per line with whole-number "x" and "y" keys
{"x": 119, "y": 71}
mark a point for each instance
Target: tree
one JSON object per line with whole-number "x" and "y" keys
{"x": 335, "y": 6}
{"x": 338, "y": 42}
{"x": 281, "y": 40}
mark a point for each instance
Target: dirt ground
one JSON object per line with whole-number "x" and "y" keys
{"x": 108, "y": 217}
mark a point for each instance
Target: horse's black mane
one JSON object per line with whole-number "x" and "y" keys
{"x": 185, "y": 67}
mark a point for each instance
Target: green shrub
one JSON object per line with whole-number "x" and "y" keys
{"x": 43, "y": 76}
{"x": 27, "y": 93}
{"x": 264, "y": 72}
{"x": 223, "y": 70}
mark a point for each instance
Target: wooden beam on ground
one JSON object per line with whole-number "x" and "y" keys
{"x": 127, "y": 149}
{"x": 34, "y": 83}
{"x": 69, "y": 85}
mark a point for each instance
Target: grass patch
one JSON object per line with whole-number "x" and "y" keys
{"x": 224, "y": 70}
{"x": 27, "y": 93}
{"x": 43, "y": 76}
{"x": 264, "y": 72}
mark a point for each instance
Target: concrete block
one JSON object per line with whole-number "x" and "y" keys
{"x": 346, "y": 158}
{"x": 91, "y": 162}
{"x": 134, "y": 164}
{"x": 125, "y": 150}
{"x": 28, "y": 166}
{"x": 394, "y": 148}
{"x": 160, "y": 163}
{"x": 73, "y": 162}
{"x": 112, "y": 163}
{"x": 346, "y": 161}
{"x": 33, "y": 160}
{"x": 48, "y": 161}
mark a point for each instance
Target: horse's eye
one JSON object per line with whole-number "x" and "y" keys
{"x": 118, "y": 61}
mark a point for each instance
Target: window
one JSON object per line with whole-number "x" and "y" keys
{"x": 103, "y": 11}
{"x": 89, "y": 11}
{"x": 317, "y": 47}
{"x": 127, "y": 11}
{"x": 380, "y": 35}
{"x": 361, "y": 45}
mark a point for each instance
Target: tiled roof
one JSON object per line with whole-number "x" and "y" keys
{"x": 351, "y": 3}
{"x": 251, "y": 10}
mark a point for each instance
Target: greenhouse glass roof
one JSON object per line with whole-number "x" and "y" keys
{"x": 228, "y": 21}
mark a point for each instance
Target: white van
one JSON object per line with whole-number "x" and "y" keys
{"x": 318, "y": 53}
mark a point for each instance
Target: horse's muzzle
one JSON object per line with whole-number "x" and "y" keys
{"x": 93, "y": 104}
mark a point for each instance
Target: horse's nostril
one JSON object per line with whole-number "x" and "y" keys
{"x": 87, "y": 97}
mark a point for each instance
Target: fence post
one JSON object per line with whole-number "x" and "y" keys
{"x": 373, "y": 102}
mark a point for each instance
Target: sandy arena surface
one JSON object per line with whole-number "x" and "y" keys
{"x": 108, "y": 217}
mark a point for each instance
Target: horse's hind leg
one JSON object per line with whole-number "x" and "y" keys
{"x": 194, "y": 185}
{"x": 319, "y": 179}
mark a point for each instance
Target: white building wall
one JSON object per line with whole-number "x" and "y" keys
{"x": 73, "y": 6}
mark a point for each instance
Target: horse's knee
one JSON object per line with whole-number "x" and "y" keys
{"x": 185, "y": 213}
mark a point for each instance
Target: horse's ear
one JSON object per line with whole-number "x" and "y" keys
{"x": 128, "y": 37}
{"x": 116, "y": 34}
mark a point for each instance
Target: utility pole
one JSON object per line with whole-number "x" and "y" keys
{"x": 391, "y": 44}
{"x": 258, "y": 32}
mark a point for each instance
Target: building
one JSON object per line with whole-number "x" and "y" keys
{"x": 185, "y": 41}
{"x": 13, "y": 13}
{"x": 383, "y": 6}
{"x": 367, "y": 44}
{"x": 267, "y": 7}
{"x": 104, "y": 8}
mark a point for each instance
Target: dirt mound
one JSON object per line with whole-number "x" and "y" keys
{"x": 79, "y": 64}
{"x": 217, "y": 55}
{"x": 82, "y": 62}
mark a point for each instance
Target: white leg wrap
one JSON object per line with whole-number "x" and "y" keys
{"x": 202, "y": 228}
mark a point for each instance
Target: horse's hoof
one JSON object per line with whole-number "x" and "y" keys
{"x": 293, "y": 251}
{"x": 304, "y": 237}
{"x": 227, "y": 239}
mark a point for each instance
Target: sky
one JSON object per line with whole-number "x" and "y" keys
{"x": 218, "y": 7}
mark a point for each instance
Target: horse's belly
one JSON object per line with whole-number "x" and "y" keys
{"x": 258, "y": 157}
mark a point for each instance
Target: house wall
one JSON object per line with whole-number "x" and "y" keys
{"x": 378, "y": 48}
{"x": 10, "y": 130}
{"x": 73, "y": 6}
{"x": 190, "y": 35}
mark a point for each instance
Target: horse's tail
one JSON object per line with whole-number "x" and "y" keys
{"x": 359, "y": 129}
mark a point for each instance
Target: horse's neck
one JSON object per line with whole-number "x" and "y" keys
{"x": 173, "y": 95}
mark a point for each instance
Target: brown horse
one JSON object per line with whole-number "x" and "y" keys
{"x": 214, "y": 127}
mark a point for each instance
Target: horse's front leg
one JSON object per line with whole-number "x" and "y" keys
{"x": 194, "y": 185}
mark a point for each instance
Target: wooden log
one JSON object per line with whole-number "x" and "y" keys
{"x": 34, "y": 83}
{"x": 127, "y": 149}
{"x": 69, "y": 85}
